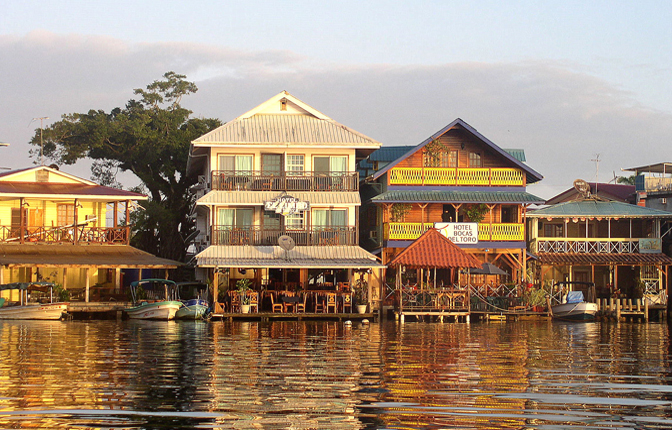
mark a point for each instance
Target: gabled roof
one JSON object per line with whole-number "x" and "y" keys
{"x": 592, "y": 208}
{"x": 13, "y": 174}
{"x": 433, "y": 249}
{"x": 298, "y": 124}
{"x": 619, "y": 192}
{"x": 532, "y": 175}
{"x": 441, "y": 196}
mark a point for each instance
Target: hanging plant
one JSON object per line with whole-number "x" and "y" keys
{"x": 399, "y": 211}
{"x": 433, "y": 153}
{"x": 476, "y": 213}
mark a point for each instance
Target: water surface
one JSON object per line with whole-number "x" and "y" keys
{"x": 326, "y": 375}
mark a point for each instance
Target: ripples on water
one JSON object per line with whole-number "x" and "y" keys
{"x": 325, "y": 375}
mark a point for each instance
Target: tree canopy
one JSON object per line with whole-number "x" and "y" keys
{"x": 149, "y": 137}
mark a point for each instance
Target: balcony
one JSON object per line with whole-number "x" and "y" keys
{"x": 257, "y": 236}
{"x": 513, "y": 232}
{"x": 653, "y": 184}
{"x": 596, "y": 245}
{"x": 494, "y": 177}
{"x": 224, "y": 180}
{"x": 79, "y": 234}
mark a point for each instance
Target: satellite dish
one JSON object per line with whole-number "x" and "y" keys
{"x": 582, "y": 187}
{"x": 286, "y": 242}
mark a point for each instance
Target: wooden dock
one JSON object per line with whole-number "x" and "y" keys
{"x": 299, "y": 316}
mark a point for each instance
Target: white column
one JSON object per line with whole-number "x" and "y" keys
{"x": 87, "y": 284}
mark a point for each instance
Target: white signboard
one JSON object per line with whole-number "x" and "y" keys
{"x": 286, "y": 205}
{"x": 459, "y": 232}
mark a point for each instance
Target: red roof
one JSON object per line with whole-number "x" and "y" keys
{"x": 433, "y": 249}
{"x": 588, "y": 259}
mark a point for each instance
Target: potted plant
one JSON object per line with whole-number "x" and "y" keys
{"x": 243, "y": 287}
{"x": 361, "y": 291}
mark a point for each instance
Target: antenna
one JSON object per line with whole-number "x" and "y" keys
{"x": 41, "y": 141}
{"x": 597, "y": 170}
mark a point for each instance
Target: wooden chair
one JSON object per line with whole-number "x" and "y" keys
{"x": 254, "y": 301}
{"x": 275, "y": 307}
{"x": 331, "y": 302}
{"x": 347, "y": 302}
{"x": 301, "y": 305}
{"x": 319, "y": 303}
{"x": 235, "y": 301}
{"x": 289, "y": 304}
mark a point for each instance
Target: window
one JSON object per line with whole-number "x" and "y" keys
{"x": 65, "y": 214}
{"x": 475, "y": 159}
{"x": 295, "y": 165}
{"x": 553, "y": 230}
{"x": 509, "y": 214}
{"x": 295, "y": 222}
{"x": 238, "y": 217}
{"x": 329, "y": 218}
{"x": 444, "y": 159}
{"x": 237, "y": 164}
{"x": 271, "y": 220}
{"x": 330, "y": 164}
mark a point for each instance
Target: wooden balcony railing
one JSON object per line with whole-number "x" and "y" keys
{"x": 305, "y": 181}
{"x": 227, "y": 235}
{"x": 653, "y": 184}
{"x": 598, "y": 245}
{"x": 457, "y": 176}
{"x": 78, "y": 234}
{"x": 514, "y": 232}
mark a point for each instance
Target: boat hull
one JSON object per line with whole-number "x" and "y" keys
{"x": 165, "y": 310}
{"x": 583, "y": 311}
{"x": 192, "y": 310}
{"x": 50, "y": 311}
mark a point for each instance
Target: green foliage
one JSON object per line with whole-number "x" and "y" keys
{"x": 243, "y": 286}
{"x": 361, "y": 293}
{"x": 149, "y": 137}
{"x": 627, "y": 180}
{"x": 476, "y": 213}
{"x": 399, "y": 211}
{"x": 433, "y": 151}
{"x": 62, "y": 294}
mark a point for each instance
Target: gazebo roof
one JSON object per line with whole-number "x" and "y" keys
{"x": 434, "y": 250}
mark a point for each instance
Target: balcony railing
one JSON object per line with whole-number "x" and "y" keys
{"x": 653, "y": 184}
{"x": 457, "y": 176}
{"x": 78, "y": 234}
{"x": 586, "y": 245}
{"x": 305, "y": 181}
{"x": 513, "y": 232}
{"x": 227, "y": 235}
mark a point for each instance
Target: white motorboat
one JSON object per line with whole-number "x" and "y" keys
{"x": 25, "y": 310}
{"x": 194, "y": 304}
{"x": 154, "y": 299}
{"x": 574, "y": 306}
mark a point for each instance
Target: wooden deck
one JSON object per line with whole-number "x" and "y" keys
{"x": 280, "y": 316}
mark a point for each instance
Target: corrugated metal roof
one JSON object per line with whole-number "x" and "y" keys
{"x": 51, "y": 190}
{"x": 595, "y": 258}
{"x": 390, "y": 153}
{"x": 592, "y": 208}
{"x": 269, "y": 129}
{"x": 321, "y": 257}
{"x": 518, "y": 154}
{"x": 447, "y": 196}
{"x": 433, "y": 249}
{"x": 257, "y": 198}
{"x": 67, "y": 255}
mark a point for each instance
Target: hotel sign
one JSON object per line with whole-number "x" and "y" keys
{"x": 459, "y": 232}
{"x": 286, "y": 205}
{"x": 650, "y": 246}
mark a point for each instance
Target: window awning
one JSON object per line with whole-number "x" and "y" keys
{"x": 257, "y": 198}
{"x": 301, "y": 257}
{"x": 589, "y": 259}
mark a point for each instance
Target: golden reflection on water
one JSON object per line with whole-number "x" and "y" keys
{"x": 145, "y": 374}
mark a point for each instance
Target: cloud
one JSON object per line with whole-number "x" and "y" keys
{"x": 558, "y": 112}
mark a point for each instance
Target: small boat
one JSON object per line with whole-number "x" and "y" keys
{"x": 154, "y": 299}
{"x": 194, "y": 303}
{"x": 25, "y": 310}
{"x": 578, "y": 301}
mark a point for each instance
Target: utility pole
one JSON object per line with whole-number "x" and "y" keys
{"x": 41, "y": 141}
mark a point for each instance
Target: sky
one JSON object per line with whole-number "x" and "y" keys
{"x": 569, "y": 82}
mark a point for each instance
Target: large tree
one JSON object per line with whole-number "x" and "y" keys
{"x": 149, "y": 137}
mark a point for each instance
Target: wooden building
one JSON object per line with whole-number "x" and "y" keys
{"x": 61, "y": 228}
{"x": 460, "y": 182}
{"x": 281, "y": 170}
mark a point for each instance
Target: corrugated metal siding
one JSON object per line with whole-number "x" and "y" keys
{"x": 456, "y": 197}
{"x": 274, "y": 129}
{"x": 344, "y": 198}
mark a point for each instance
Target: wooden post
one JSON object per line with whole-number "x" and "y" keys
{"x": 117, "y": 280}
{"x": 75, "y": 217}
{"x": 87, "y": 284}
{"x": 618, "y": 309}
{"x": 22, "y": 220}
{"x": 646, "y": 310}
{"x": 548, "y": 303}
{"x": 215, "y": 287}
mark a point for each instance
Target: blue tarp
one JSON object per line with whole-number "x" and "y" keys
{"x": 574, "y": 297}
